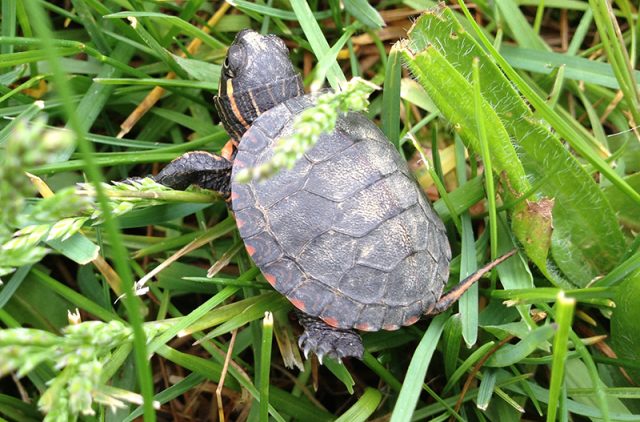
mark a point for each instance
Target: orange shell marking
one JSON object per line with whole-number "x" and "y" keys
{"x": 364, "y": 327}
{"x": 412, "y": 320}
{"x": 270, "y": 278}
{"x": 250, "y": 249}
{"x": 331, "y": 321}
{"x": 298, "y": 304}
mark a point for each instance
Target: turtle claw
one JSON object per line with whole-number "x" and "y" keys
{"x": 326, "y": 341}
{"x": 305, "y": 349}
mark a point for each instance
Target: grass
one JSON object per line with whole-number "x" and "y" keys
{"x": 542, "y": 96}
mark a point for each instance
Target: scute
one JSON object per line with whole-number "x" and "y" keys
{"x": 263, "y": 248}
{"x": 299, "y": 218}
{"x": 255, "y": 141}
{"x": 324, "y": 150}
{"x": 412, "y": 312}
{"x": 406, "y": 282}
{"x": 297, "y": 104}
{"x": 350, "y": 237}
{"x": 347, "y": 173}
{"x": 310, "y": 297}
{"x": 360, "y": 127}
{"x": 284, "y": 274}
{"x": 372, "y": 317}
{"x": 250, "y": 221}
{"x": 272, "y": 127}
{"x": 343, "y": 311}
{"x": 282, "y": 185}
{"x": 393, "y": 317}
{"x": 386, "y": 198}
{"x": 242, "y": 196}
{"x": 390, "y": 243}
{"x": 366, "y": 284}
{"x": 328, "y": 257}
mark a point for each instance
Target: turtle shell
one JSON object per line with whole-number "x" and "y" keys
{"x": 346, "y": 235}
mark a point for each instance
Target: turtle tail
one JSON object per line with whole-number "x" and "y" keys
{"x": 454, "y": 294}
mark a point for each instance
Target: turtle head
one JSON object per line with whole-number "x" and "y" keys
{"x": 256, "y": 76}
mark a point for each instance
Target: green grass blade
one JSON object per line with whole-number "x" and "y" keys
{"x": 23, "y": 57}
{"x": 318, "y": 42}
{"x": 18, "y": 410}
{"x": 183, "y": 386}
{"x": 74, "y": 297}
{"x": 625, "y": 330}
{"x": 274, "y": 12}
{"x": 13, "y": 284}
{"x": 625, "y": 269}
{"x": 521, "y": 31}
{"x": 538, "y": 149}
{"x": 205, "y": 367}
{"x": 341, "y": 373}
{"x": 8, "y": 24}
{"x": 271, "y": 301}
{"x": 190, "y": 319}
{"x": 617, "y": 54}
{"x": 298, "y": 408}
{"x": 381, "y": 371}
{"x": 486, "y": 159}
{"x": 564, "y": 315}
{"x": 265, "y": 364}
{"x": 92, "y": 104}
{"x": 363, "y": 408}
{"x": 576, "y": 68}
{"x": 486, "y": 389}
{"x": 512, "y": 353}
{"x": 159, "y": 51}
{"x": 132, "y": 303}
{"x": 565, "y": 129}
{"x": 365, "y": 13}
{"x": 412, "y": 385}
{"x": 93, "y": 29}
{"x": 26, "y": 115}
{"x": 468, "y": 303}
{"x": 187, "y": 28}
{"x": 325, "y": 63}
{"x": 467, "y": 364}
{"x": 390, "y": 115}
{"x": 77, "y": 248}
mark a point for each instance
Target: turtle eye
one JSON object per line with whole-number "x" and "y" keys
{"x": 234, "y": 61}
{"x": 225, "y": 68}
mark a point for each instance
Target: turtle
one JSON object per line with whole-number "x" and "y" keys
{"x": 347, "y": 235}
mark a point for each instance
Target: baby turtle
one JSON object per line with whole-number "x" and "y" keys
{"x": 346, "y": 234}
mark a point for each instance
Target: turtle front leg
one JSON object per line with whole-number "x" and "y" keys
{"x": 200, "y": 168}
{"x": 324, "y": 340}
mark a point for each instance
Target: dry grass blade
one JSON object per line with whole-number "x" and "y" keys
{"x": 191, "y": 246}
{"x": 225, "y": 368}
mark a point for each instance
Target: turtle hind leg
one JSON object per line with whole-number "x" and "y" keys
{"x": 454, "y": 294}
{"x": 324, "y": 340}
{"x": 200, "y": 168}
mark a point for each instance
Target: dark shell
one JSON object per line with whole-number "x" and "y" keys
{"x": 346, "y": 235}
